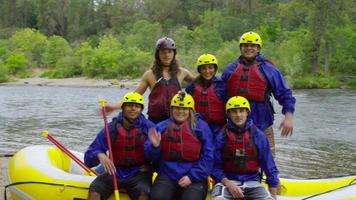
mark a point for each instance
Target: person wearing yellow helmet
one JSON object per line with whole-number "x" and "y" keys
{"x": 256, "y": 78}
{"x": 130, "y": 165}
{"x": 241, "y": 152}
{"x": 164, "y": 79}
{"x": 209, "y": 92}
{"x": 182, "y": 146}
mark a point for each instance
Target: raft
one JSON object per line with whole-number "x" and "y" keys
{"x": 44, "y": 172}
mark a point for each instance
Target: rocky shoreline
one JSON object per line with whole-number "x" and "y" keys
{"x": 75, "y": 82}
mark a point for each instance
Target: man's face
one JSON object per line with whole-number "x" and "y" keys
{"x": 131, "y": 111}
{"x": 207, "y": 71}
{"x": 238, "y": 116}
{"x": 166, "y": 56}
{"x": 249, "y": 51}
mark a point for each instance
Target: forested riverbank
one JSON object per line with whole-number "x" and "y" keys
{"x": 311, "y": 42}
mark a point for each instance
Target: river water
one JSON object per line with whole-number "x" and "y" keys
{"x": 323, "y": 143}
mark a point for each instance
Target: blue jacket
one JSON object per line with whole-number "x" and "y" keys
{"x": 99, "y": 145}
{"x": 262, "y": 113}
{"x": 197, "y": 171}
{"x": 265, "y": 158}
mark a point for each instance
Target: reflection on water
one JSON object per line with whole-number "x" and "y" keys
{"x": 323, "y": 143}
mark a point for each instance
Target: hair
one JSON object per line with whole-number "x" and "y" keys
{"x": 199, "y": 80}
{"x": 192, "y": 119}
{"x": 157, "y": 67}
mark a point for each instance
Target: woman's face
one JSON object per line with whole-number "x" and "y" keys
{"x": 180, "y": 114}
{"x": 207, "y": 71}
{"x": 166, "y": 56}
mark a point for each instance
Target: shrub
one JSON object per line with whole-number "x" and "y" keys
{"x": 351, "y": 83}
{"x": 320, "y": 81}
{"x": 56, "y": 48}
{"x": 3, "y": 72}
{"x": 17, "y": 63}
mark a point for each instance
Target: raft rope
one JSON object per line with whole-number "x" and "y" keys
{"x": 315, "y": 195}
{"x": 43, "y": 183}
{"x": 6, "y": 155}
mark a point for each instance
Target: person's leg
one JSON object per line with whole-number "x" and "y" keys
{"x": 139, "y": 186}
{"x": 163, "y": 188}
{"x": 195, "y": 191}
{"x": 270, "y": 136}
{"x": 101, "y": 188}
{"x": 257, "y": 193}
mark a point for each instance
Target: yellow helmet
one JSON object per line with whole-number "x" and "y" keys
{"x": 207, "y": 59}
{"x": 237, "y": 102}
{"x": 183, "y": 100}
{"x": 133, "y": 97}
{"x": 251, "y": 38}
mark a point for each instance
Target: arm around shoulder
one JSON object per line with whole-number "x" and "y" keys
{"x": 144, "y": 83}
{"x": 188, "y": 76}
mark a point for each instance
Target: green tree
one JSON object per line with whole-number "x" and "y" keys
{"x": 84, "y": 54}
{"x": 80, "y": 15}
{"x": 3, "y": 72}
{"x": 30, "y": 42}
{"x": 105, "y": 58}
{"x": 51, "y": 17}
{"x": 17, "y": 64}
{"x": 56, "y": 48}
{"x": 143, "y": 35}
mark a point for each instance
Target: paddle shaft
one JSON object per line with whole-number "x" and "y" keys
{"x": 68, "y": 153}
{"x": 103, "y": 110}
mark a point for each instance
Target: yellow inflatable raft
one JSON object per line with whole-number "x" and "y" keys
{"x": 44, "y": 172}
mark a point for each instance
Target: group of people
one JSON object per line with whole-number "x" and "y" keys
{"x": 218, "y": 127}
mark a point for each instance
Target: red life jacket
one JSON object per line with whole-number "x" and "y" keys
{"x": 160, "y": 97}
{"x": 239, "y": 153}
{"x": 208, "y": 104}
{"x": 128, "y": 147}
{"x": 179, "y": 143}
{"x": 249, "y": 82}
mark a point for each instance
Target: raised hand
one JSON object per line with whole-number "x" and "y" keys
{"x": 154, "y": 137}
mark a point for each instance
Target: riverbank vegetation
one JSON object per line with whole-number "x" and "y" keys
{"x": 311, "y": 42}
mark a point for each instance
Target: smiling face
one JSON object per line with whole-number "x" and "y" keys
{"x": 207, "y": 71}
{"x": 238, "y": 116}
{"x": 131, "y": 111}
{"x": 166, "y": 56}
{"x": 180, "y": 114}
{"x": 249, "y": 51}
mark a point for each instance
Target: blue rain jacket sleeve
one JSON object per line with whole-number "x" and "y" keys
{"x": 280, "y": 90}
{"x": 190, "y": 88}
{"x": 196, "y": 171}
{"x": 99, "y": 145}
{"x": 262, "y": 113}
{"x": 265, "y": 158}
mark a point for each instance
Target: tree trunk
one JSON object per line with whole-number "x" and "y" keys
{"x": 327, "y": 56}
{"x": 314, "y": 57}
